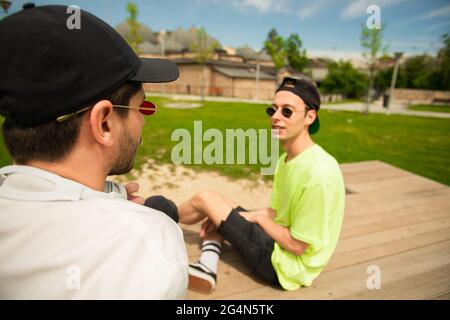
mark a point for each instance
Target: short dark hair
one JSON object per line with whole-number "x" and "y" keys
{"x": 53, "y": 140}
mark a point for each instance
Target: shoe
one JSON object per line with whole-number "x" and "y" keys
{"x": 201, "y": 279}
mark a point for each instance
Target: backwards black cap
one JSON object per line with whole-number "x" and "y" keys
{"x": 307, "y": 92}
{"x": 49, "y": 70}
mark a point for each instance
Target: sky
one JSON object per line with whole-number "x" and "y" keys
{"x": 328, "y": 28}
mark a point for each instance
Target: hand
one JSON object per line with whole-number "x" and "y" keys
{"x": 131, "y": 188}
{"x": 207, "y": 228}
{"x": 250, "y": 216}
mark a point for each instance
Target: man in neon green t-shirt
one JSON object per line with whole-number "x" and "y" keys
{"x": 290, "y": 242}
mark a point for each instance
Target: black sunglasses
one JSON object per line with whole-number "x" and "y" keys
{"x": 285, "y": 111}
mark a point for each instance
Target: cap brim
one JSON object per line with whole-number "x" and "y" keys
{"x": 156, "y": 71}
{"x": 315, "y": 126}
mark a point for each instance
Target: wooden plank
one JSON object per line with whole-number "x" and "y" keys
{"x": 398, "y": 186}
{"x": 363, "y": 166}
{"x": 393, "y": 234}
{"x": 425, "y": 285}
{"x": 354, "y": 213}
{"x": 344, "y": 282}
{"x": 373, "y": 168}
{"x": 343, "y": 258}
{"x": 390, "y": 220}
{"x": 373, "y": 203}
{"x": 443, "y": 297}
{"x": 373, "y": 174}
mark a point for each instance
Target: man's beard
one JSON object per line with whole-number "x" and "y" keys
{"x": 124, "y": 159}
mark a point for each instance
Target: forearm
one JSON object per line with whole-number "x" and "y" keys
{"x": 281, "y": 235}
{"x": 269, "y": 212}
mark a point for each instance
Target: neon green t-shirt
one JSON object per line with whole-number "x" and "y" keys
{"x": 309, "y": 198}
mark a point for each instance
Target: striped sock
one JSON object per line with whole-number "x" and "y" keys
{"x": 210, "y": 254}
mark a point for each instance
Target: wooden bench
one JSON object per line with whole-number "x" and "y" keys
{"x": 441, "y": 101}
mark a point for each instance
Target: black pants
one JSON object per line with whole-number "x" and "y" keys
{"x": 252, "y": 243}
{"x": 249, "y": 239}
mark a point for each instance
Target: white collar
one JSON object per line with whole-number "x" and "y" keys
{"x": 33, "y": 184}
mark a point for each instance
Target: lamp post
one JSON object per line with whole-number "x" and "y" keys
{"x": 257, "y": 76}
{"x": 162, "y": 41}
{"x": 398, "y": 55}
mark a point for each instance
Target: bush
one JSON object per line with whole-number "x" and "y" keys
{"x": 343, "y": 79}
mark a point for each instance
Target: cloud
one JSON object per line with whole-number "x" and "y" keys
{"x": 264, "y": 6}
{"x": 436, "y": 13}
{"x": 312, "y": 8}
{"x": 441, "y": 12}
{"x": 357, "y": 8}
{"x": 438, "y": 26}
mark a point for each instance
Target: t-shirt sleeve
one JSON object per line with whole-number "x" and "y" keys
{"x": 311, "y": 214}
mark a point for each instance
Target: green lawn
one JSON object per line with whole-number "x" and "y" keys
{"x": 420, "y": 145}
{"x": 430, "y": 107}
{"x": 4, "y": 156}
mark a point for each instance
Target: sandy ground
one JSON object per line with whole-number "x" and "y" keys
{"x": 179, "y": 183}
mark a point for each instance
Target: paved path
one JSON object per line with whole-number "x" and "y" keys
{"x": 375, "y": 107}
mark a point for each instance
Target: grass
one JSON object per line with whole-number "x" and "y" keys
{"x": 5, "y": 159}
{"x": 430, "y": 107}
{"x": 419, "y": 145}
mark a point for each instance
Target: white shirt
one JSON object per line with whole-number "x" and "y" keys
{"x": 62, "y": 240}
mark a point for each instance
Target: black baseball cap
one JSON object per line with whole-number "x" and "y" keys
{"x": 49, "y": 69}
{"x": 308, "y": 93}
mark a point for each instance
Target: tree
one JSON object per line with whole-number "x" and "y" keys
{"x": 295, "y": 55}
{"x": 416, "y": 70}
{"x": 286, "y": 52}
{"x": 371, "y": 42}
{"x": 133, "y": 38}
{"x": 342, "y": 78}
{"x": 204, "y": 48}
{"x": 421, "y": 71}
{"x": 443, "y": 58}
{"x": 275, "y": 47}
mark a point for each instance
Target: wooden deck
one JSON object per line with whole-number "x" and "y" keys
{"x": 394, "y": 219}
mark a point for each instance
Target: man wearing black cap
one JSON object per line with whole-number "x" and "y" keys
{"x": 74, "y": 109}
{"x": 289, "y": 243}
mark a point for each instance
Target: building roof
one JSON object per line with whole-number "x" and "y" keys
{"x": 227, "y": 63}
{"x": 245, "y": 73}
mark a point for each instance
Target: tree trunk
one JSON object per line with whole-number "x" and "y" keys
{"x": 369, "y": 90}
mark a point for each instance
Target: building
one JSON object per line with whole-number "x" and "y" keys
{"x": 224, "y": 75}
{"x": 230, "y": 75}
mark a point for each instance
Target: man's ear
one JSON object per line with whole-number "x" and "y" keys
{"x": 101, "y": 122}
{"x": 311, "y": 116}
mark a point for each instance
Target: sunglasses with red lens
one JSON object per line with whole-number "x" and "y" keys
{"x": 147, "y": 108}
